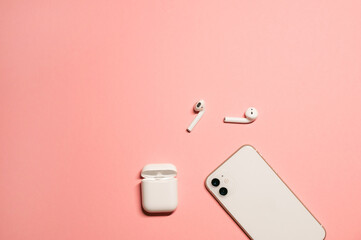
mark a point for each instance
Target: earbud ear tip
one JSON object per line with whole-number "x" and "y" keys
{"x": 199, "y": 106}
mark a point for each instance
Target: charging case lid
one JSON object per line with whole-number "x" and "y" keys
{"x": 159, "y": 170}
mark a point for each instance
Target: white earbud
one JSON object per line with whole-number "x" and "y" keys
{"x": 251, "y": 115}
{"x": 200, "y": 108}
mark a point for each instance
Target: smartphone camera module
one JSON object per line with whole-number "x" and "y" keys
{"x": 215, "y": 182}
{"x": 223, "y": 191}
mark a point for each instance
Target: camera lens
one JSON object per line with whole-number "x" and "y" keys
{"x": 215, "y": 182}
{"x": 223, "y": 191}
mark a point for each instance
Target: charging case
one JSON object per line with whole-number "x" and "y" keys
{"x": 159, "y": 188}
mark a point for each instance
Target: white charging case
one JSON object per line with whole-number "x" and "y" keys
{"x": 159, "y": 188}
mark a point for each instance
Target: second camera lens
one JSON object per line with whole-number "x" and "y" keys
{"x": 223, "y": 191}
{"x": 215, "y": 182}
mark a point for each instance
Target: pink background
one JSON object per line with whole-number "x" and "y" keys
{"x": 91, "y": 91}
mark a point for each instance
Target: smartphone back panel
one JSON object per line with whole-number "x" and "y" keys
{"x": 259, "y": 201}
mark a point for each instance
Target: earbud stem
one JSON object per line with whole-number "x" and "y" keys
{"x": 236, "y": 120}
{"x": 195, "y": 121}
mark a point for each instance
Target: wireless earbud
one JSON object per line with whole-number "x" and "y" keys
{"x": 200, "y": 108}
{"x": 251, "y": 115}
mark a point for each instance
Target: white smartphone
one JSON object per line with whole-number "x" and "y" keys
{"x": 259, "y": 201}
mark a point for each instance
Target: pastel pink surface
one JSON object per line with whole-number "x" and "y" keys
{"x": 91, "y": 91}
